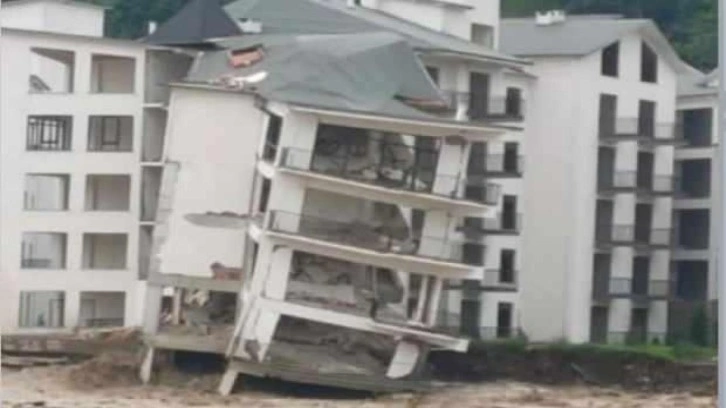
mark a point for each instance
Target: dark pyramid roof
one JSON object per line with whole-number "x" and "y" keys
{"x": 196, "y": 23}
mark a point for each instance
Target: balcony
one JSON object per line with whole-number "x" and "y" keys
{"x": 635, "y": 337}
{"x": 632, "y": 182}
{"x": 608, "y": 235}
{"x": 640, "y": 291}
{"x": 352, "y": 167}
{"x": 504, "y": 280}
{"x": 377, "y": 238}
{"x": 501, "y": 108}
{"x": 501, "y": 224}
{"x": 504, "y": 165}
{"x": 647, "y": 135}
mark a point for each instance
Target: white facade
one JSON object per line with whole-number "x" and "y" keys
{"x": 561, "y": 194}
{"x": 73, "y": 109}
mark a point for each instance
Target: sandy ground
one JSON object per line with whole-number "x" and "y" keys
{"x": 50, "y": 387}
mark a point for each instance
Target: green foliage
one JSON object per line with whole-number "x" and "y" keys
{"x": 699, "y": 327}
{"x": 690, "y": 352}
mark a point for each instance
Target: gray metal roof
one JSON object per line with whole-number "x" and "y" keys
{"x": 580, "y": 35}
{"x": 575, "y": 36}
{"x": 334, "y": 17}
{"x": 364, "y": 72}
{"x": 695, "y": 83}
{"x": 196, "y": 23}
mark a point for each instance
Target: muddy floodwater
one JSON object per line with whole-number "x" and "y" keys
{"x": 54, "y": 387}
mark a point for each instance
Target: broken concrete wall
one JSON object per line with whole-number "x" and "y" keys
{"x": 215, "y": 155}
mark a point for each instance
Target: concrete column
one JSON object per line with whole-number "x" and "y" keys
{"x": 660, "y": 265}
{"x": 619, "y": 319}
{"x": 404, "y": 360}
{"x": 622, "y": 263}
{"x": 626, "y": 156}
{"x": 72, "y": 308}
{"x": 624, "y": 209}
{"x": 434, "y": 300}
{"x": 657, "y": 321}
{"x": 152, "y": 309}
{"x": 662, "y": 213}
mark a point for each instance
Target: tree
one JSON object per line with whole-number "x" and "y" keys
{"x": 699, "y": 327}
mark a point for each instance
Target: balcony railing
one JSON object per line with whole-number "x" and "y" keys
{"x": 496, "y": 108}
{"x": 377, "y": 238}
{"x": 503, "y": 223}
{"x": 505, "y": 279}
{"x": 626, "y": 181}
{"x": 635, "y": 337}
{"x": 625, "y": 129}
{"x": 504, "y": 165}
{"x": 351, "y": 167}
{"x": 639, "y": 290}
{"x": 628, "y": 235}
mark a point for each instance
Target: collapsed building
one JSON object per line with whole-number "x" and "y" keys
{"x": 321, "y": 198}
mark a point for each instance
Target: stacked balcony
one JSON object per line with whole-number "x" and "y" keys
{"x": 637, "y": 183}
{"x": 647, "y": 134}
{"x": 608, "y": 235}
{"x": 469, "y": 106}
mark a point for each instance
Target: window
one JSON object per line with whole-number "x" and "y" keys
{"x": 482, "y": 34}
{"x": 479, "y": 98}
{"x": 112, "y": 74}
{"x": 608, "y": 114}
{"x": 41, "y": 309}
{"x": 506, "y": 266}
{"x": 110, "y": 133}
{"x": 51, "y": 71}
{"x": 433, "y": 74}
{"x": 692, "y": 280}
{"x": 104, "y": 251}
{"x": 49, "y": 133}
{"x": 648, "y": 64}
{"x": 272, "y": 137}
{"x": 504, "y": 319}
{"x": 509, "y": 213}
{"x": 511, "y": 158}
{"x": 43, "y": 250}
{"x": 646, "y": 118}
{"x": 697, "y": 126}
{"x": 610, "y": 60}
{"x": 107, "y": 192}
{"x": 46, "y": 192}
{"x": 102, "y": 309}
{"x": 513, "y": 102}
{"x": 695, "y": 178}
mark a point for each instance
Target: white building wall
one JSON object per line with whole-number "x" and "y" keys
{"x": 216, "y": 161}
{"x": 16, "y": 103}
{"x": 54, "y": 16}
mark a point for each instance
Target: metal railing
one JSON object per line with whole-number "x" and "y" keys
{"x": 105, "y": 322}
{"x": 629, "y": 180}
{"x": 631, "y": 235}
{"x": 362, "y": 169}
{"x": 495, "y": 108}
{"x": 503, "y": 164}
{"x": 501, "y": 223}
{"x": 635, "y": 337}
{"x": 651, "y": 134}
{"x": 644, "y": 290}
{"x": 377, "y": 238}
{"x": 500, "y": 279}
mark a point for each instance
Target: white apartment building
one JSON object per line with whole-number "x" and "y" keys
{"x": 599, "y": 186}
{"x": 696, "y": 202}
{"x": 316, "y": 161}
{"x": 82, "y": 119}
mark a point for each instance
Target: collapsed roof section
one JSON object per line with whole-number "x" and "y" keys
{"x": 375, "y": 72}
{"x": 335, "y": 17}
{"x": 196, "y": 23}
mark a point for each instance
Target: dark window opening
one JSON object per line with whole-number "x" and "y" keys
{"x": 697, "y": 126}
{"x": 645, "y": 170}
{"x": 599, "y": 324}
{"x": 504, "y": 319}
{"x": 49, "y": 133}
{"x": 610, "y": 59}
{"x": 511, "y": 157}
{"x": 603, "y": 220}
{"x": 264, "y": 195}
{"x": 506, "y": 266}
{"x": 695, "y": 178}
{"x": 641, "y": 275}
{"x": 605, "y": 167}
{"x": 692, "y": 280}
{"x": 648, "y": 64}
{"x": 643, "y": 222}
{"x": 110, "y": 133}
{"x": 694, "y": 229}
{"x": 433, "y": 74}
{"x": 607, "y": 118}
{"x": 509, "y": 212}
{"x": 601, "y": 276}
{"x": 646, "y": 118}
{"x": 272, "y": 137}
{"x": 513, "y": 102}
{"x": 470, "y": 316}
{"x": 479, "y": 95}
